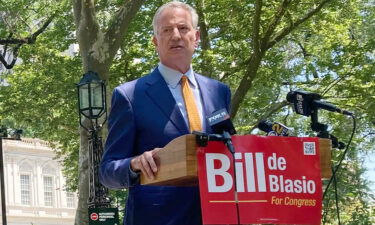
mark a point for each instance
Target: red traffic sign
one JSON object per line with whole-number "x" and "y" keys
{"x": 94, "y": 216}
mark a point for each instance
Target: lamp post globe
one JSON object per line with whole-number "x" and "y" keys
{"x": 91, "y": 97}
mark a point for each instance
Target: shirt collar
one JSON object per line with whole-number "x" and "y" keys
{"x": 173, "y": 77}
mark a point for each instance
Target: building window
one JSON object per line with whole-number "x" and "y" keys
{"x": 48, "y": 191}
{"x": 25, "y": 189}
{"x": 70, "y": 201}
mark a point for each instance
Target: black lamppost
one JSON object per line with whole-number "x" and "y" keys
{"x": 92, "y": 106}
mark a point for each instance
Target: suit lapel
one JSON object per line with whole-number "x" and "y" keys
{"x": 207, "y": 96}
{"x": 160, "y": 94}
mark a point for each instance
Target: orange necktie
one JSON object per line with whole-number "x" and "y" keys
{"x": 191, "y": 106}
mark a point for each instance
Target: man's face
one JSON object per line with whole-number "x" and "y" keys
{"x": 176, "y": 39}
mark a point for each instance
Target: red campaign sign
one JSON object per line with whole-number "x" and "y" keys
{"x": 278, "y": 181}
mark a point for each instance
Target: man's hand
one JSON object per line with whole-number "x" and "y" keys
{"x": 147, "y": 163}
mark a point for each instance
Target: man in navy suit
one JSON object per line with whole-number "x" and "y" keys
{"x": 147, "y": 113}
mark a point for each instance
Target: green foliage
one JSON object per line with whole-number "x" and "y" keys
{"x": 41, "y": 96}
{"x": 137, "y": 55}
{"x": 118, "y": 198}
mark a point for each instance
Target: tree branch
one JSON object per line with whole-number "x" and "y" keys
{"x": 88, "y": 26}
{"x": 256, "y": 25}
{"x": 119, "y": 25}
{"x": 77, "y": 7}
{"x": 303, "y": 49}
{"x": 297, "y": 83}
{"x": 273, "y": 109}
{"x": 369, "y": 134}
{"x": 252, "y": 65}
{"x": 5, "y": 48}
{"x": 15, "y": 54}
{"x": 347, "y": 97}
{"x": 275, "y": 21}
{"x": 294, "y": 25}
{"x": 230, "y": 73}
{"x": 89, "y": 17}
{"x": 4, "y": 62}
{"x": 223, "y": 29}
{"x": 30, "y": 39}
{"x": 19, "y": 42}
{"x": 246, "y": 82}
{"x": 334, "y": 82}
{"x": 87, "y": 29}
{"x": 205, "y": 39}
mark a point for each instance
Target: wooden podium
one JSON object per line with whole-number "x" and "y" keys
{"x": 178, "y": 162}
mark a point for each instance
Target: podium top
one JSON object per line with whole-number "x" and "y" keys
{"x": 178, "y": 163}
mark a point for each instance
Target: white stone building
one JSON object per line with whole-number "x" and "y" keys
{"x": 35, "y": 186}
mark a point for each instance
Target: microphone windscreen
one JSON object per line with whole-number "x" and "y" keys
{"x": 220, "y": 121}
{"x": 265, "y": 126}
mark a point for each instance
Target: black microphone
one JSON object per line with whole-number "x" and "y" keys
{"x": 202, "y": 139}
{"x": 273, "y": 129}
{"x": 305, "y": 103}
{"x": 220, "y": 123}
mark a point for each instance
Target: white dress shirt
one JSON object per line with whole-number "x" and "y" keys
{"x": 173, "y": 78}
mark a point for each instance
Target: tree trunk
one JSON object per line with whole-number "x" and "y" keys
{"x": 98, "y": 49}
{"x": 83, "y": 179}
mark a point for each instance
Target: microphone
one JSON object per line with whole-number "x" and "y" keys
{"x": 273, "y": 129}
{"x": 220, "y": 121}
{"x": 305, "y": 103}
{"x": 202, "y": 139}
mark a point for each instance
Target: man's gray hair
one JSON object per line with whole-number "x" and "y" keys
{"x": 171, "y": 5}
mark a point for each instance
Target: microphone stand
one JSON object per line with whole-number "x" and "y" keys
{"x": 322, "y": 130}
{"x": 228, "y": 142}
{"x": 202, "y": 140}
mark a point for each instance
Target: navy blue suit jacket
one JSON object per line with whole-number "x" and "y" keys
{"x": 144, "y": 116}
